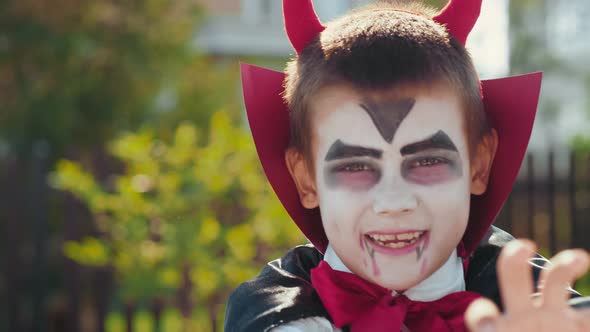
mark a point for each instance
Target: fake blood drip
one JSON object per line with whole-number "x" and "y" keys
{"x": 423, "y": 268}
{"x": 376, "y": 271}
{"x": 419, "y": 252}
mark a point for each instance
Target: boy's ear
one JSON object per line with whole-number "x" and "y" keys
{"x": 303, "y": 178}
{"x": 481, "y": 164}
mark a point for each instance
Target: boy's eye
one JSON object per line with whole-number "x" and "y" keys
{"x": 428, "y": 162}
{"x": 430, "y": 170}
{"x": 353, "y": 176}
{"x": 353, "y": 168}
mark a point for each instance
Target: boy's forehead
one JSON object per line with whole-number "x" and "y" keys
{"x": 387, "y": 107}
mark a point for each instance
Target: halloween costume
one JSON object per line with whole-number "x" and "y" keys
{"x": 283, "y": 291}
{"x": 287, "y": 290}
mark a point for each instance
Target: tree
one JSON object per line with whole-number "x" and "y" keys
{"x": 73, "y": 73}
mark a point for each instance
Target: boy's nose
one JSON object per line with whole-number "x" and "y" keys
{"x": 389, "y": 203}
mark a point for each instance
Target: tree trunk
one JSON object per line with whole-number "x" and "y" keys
{"x": 37, "y": 193}
{"x": 212, "y": 309}
{"x": 157, "y": 308}
{"x": 11, "y": 236}
{"x": 103, "y": 285}
{"x": 72, "y": 271}
{"x": 129, "y": 314}
{"x": 185, "y": 303}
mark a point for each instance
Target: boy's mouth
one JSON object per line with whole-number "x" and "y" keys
{"x": 397, "y": 243}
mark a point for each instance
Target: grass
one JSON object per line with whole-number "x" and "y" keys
{"x": 172, "y": 321}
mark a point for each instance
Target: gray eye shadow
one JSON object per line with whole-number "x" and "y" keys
{"x": 347, "y": 154}
{"x": 388, "y": 115}
{"x": 437, "y": 146}
{"x": 453, "y": 162}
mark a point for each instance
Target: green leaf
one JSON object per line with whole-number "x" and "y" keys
{"x": 89, "y": 251}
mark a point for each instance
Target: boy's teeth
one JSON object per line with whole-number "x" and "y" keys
{"x": 405, "y": 236}
{"x": 395, "y": 244}
{"x": 387, "y": 238}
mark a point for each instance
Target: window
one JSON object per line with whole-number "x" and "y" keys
{"x": 270, "y": 11}
{"x": 261, "y": 11}
{"x": 567, "y": 22}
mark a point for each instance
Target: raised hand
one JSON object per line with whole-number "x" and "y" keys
{"x": 547, "y": 312}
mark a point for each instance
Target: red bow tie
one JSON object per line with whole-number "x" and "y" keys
{"x": 351, "y": 300}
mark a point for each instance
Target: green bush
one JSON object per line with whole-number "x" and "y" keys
{"x": 193, "y": 214}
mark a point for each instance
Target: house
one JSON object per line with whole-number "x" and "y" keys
{"x": 560, "y": 27}
{"x": 255, "y": 27}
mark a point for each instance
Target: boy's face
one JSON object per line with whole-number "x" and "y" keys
{"x": 392, "y": 180}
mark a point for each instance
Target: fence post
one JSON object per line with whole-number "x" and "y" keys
{"x": 11, "y": 235}
{"x": 130, "y": 308}
{"x": 72, "y": 277}
{"x": 103, "y": 286}
{"x": 508, "y": 214}
{"x": 157, "y": 307}
{"x": 37, "y": 214}
{"x": 531, "y": 194}
{"x": 572, "y": 200}
{"x": 551, "y": 203}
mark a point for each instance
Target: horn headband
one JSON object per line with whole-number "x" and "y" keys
{"x": 303, "y": 25}
{"x": 510, "y": 104}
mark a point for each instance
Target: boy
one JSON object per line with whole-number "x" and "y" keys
{"x": 385, "y": 142}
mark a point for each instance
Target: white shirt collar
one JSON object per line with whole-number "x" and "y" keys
{"x": 447, "y": 279}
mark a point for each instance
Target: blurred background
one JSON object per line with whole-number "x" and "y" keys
{"x": 131, "y": 197}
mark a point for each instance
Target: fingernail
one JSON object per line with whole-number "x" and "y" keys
{"x": 516, "y": 246}
{"x": 486, "y": 325}
{"x": 570, "y": 257}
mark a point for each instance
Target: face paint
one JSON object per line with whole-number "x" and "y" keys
{"x": 351, "y": 167}
{"x": 422, "y": 247}
{"x": 352, "y": 175}
{"x": 431, "y": 161}
{"x": 339, "y": 150}
{"x": 423, "y": 268}
{"x": 388, "y": 115}
{"x": 440, "y": 140}
{"x": 419, "y": 251}
{"x": 379, "y": 184}
{"x": 376, "y": 271}
{"x": 371, "y": 252}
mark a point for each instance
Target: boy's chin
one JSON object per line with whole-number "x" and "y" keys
{"x": 411, "y": 275}
{"x": 399, "y": 285}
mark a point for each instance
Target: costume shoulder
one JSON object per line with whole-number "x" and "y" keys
{"x": 281, "y": 293}
{"x": 481, "y": 276}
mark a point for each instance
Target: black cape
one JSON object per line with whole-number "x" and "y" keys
{"x": 283, "y": 292}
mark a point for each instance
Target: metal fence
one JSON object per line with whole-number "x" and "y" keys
{"x": 550, "y": 203}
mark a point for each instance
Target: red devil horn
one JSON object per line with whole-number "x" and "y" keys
{"x": 459, "y": 16}
{"x": 301, "y": 22}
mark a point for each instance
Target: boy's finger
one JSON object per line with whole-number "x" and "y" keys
{"x": 482, "y": 315}
{"x": 567, "y": 266}
{"x": 514, "y": 275}
{"x": 583, "y": 320}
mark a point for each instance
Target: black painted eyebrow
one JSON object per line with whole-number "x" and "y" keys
{"x": 340, "y": 150}
{"x": 440, "y": 140}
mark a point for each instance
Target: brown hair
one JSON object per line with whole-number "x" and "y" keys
{"x": 382, "y": 46}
